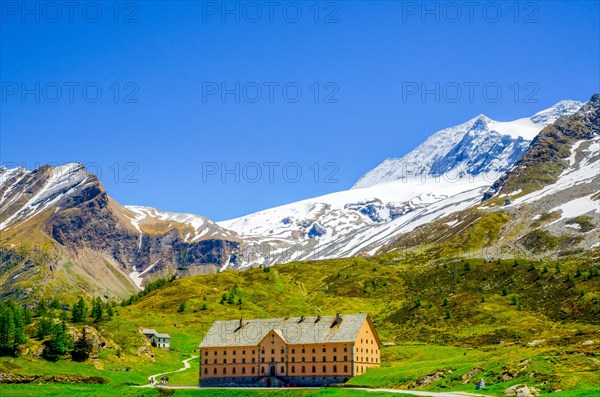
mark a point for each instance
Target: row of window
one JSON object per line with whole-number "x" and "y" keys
{"x": 373, "y": 351}
{"x": 281, "y": 360}
{"x": 282, "y": 370}
{"x": 366, "y": 359}
{"x": 314, "y": 350}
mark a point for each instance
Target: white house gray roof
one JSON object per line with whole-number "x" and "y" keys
{"x": 295, "y": 330}
{"x": 147, "y": 331}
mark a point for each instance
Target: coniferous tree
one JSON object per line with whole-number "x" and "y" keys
{"x": 59, "y": 344}
{"x": 79, "y": 311}
{"x": 97, "y": 309}
{"x": 82, "y": 347}
{"x": 55, "y": 304}
{"x": 44, "y": 328}
{"x": 12, "y": 326}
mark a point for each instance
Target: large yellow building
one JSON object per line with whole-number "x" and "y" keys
{"x": 298, "y": 351}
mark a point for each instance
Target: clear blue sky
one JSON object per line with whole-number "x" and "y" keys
{"x": 364, "y": 61}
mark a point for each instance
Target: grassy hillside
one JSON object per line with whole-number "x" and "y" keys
{"x": 519, "y": 321}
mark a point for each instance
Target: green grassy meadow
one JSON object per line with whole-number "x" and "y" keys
{"x": 519, "y": 322}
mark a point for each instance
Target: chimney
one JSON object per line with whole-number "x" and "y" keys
{"x": 338, "y": 318}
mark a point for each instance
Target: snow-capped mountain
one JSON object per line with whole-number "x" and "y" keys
{"x": 480, "y": 145}
{"x": 449, "y": 172}
{"x": 63, "y": 217}
{"x": 113, "y": 249}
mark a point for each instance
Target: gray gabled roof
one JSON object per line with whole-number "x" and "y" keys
{"x": 293, "y": 330}
{"x": 147, "y": 331}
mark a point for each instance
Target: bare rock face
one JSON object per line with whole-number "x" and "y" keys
{"x": 521, "y": 391}
{"x": 550, "y": 146}
{"x": 471, "y": 373}
{"x": 69, "y": 209}
{"x": 428, "y": 379}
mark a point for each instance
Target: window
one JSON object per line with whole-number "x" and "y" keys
{"x": 282, "y": 351}
{"x": 324, "y": 350}
{"x": 225, "y": 352}
{"x": 303, "y": 359}
{"x": 334, "y": 358}
{"x": 272, "y": 351}
{"x": 293, "y": 351}
{"x": 243, "y": 370}
{"x": 314, "y": 359}
{"x": 234, "y": 360}
{"x": 253, "y": 360}
{"x": 282, "y": 370}
{"x": 243, "y": 352}
{"x": 215, "y": 352}
{"x": 253, "y": 369}
{"x": 303, "y": 369}
{"x": 224, "y": 361}
{"x": 281, "y": 360}
{"x": 324, "y": 368}
{"x": 215, "y": 360}
{"x": 293, "y": 359}
{"x": 206, "y": 361}
{"x": 335, "y": 349}
{"x": 206, "y": 352}
{"x": 324, "y": 358}
{"x": 314, "y": 369}
{"x": 243, "y": 361}
{"x": 215, "y": 371}
{"x": 313, "y": 350}
{"x": 303, "y": 350}
{"x": 345, "y": 358}
{"x": 262, "y": 370}
{"x": 335, "y": 368}
{"x": 234, "y": 352}
{"x": 233, "y": 370}
{"x": 263, "y": 359}
{"x": 345, "y": 348}
{"x": 293, "y": 369}
{"x": 205, "y": 371}
{"x": 345, "y": 368}
{"x": 224, "y": 370}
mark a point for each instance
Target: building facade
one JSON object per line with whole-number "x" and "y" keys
{"x": 157, "y": 339}
{"x": 299, "y": 351}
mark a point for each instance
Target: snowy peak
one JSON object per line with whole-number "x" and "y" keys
{"x": 24, "y": 194}
{"x": 479, "y": 145}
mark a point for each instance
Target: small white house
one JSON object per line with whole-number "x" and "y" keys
{"x": 157, "y": 339}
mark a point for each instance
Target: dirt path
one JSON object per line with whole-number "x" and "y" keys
{"x": 186, "y": 365}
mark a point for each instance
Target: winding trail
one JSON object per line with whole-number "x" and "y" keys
{"x": 186, "y": 365}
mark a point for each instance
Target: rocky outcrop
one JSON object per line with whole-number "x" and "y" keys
{"x": 543, "y": 161}
{"x": 101, "y": 240}
{"x": 520, "y": 390}
{"x": 59, "y": 378}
